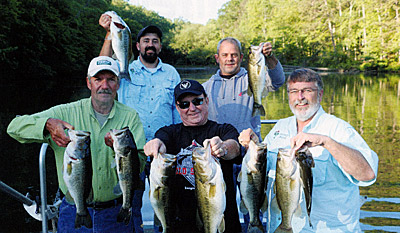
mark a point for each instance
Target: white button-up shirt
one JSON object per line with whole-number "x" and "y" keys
{"x": 335, "y": 195}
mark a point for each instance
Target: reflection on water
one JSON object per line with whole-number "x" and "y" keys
{"x": 369, "y": 104}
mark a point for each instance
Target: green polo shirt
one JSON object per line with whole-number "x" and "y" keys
{"x": 80, "y": 114}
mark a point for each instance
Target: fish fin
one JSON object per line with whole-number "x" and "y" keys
{"x": 298, "y": 212}
{"x": 243, "y": 208}
{"x": 281, "y": 229}
{"x": 69, "y": 168}
{"x": 124, "y": 215}
{"x": 221, "y": 227}
{"x": 117, "y": 189}
{"x": 113, "y": 164}
{"x": 258, "y": 110}
{"x": 83, "y": 220}
{"x": 249, "y": 92}
{"x": 239, "y": 177}
{"x": 275, "y": 205}
{"x": 264, "y": 92}
{"x": 264, "y": 206}
{"x": 212, "y": 191}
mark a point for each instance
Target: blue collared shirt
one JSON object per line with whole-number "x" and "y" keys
{"x": 151, "y": 93}
{"x": 335, "y": 196}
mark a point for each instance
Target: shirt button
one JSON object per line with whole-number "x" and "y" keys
{"x": 151, "y": 112}
{"x": 152, "y": 86}
{"x": 151, "y": 98}
{"x": 99, "y": 168}
{"x": 148, "y": 126}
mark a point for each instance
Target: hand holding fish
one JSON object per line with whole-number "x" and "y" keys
{"x": 108, "y": 140}
{"x": 153, "y": 147}
{"x": 218, "y": 149}
{"x": 306, "y": 139}
{"x": 246, "y": 136}
{"x": 105, "y": 21}
{"x": 56, "y": 129}
{"x": 267, "y": 48}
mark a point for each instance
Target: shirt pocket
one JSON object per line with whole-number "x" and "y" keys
{"x": 320, "y": 169}
{"x": 165, "y": 93}
{"x": 134, "y": 93}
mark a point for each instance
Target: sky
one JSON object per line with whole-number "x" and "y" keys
{"x": 194, "y": 11}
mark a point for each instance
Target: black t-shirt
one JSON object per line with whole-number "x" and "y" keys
{"x": 177, "y": 137}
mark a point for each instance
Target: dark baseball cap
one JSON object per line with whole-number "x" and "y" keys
{"x": 149, "y": 29}
{"x": 188, "y": 86}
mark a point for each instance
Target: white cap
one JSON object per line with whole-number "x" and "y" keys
{"x": 103, "y": 63}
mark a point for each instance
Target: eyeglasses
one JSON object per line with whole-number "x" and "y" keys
{"x": 306, "y": 91}
{"x": 195, "y": 102}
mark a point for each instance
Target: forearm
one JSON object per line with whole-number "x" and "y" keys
{"x": 106, "y": 50}
{"x": 28, "y": 128}
{"x": 351, "y": 160}
{"x": 277, "y": 75}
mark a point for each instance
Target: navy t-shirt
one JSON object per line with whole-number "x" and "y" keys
{"x": 177, "y": 137}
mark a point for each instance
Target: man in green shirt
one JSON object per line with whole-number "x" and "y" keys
{"x": 97, "y": 114}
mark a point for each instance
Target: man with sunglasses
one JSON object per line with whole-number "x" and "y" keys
{"x": 192, "y": 105}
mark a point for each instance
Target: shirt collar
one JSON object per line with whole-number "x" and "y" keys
{"x": 90, "y": 106}
{"x": 241, "y": 72}
{"x": 314, "y": 120}
{"x": 158, "y": 67}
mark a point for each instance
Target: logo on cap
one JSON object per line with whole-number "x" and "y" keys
{"x": 103, "y": 62}
{"x": 185, "y": 85}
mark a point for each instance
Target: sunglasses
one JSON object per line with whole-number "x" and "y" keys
{"x": 186, "y": 104}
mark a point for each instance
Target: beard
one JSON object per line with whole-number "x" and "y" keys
{"x": 149, "y": 58}
{"x": 303, "y": 115}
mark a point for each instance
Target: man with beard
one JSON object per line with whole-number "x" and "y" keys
{"x": 150, "y": 90}
{"x": 343, "y": 160}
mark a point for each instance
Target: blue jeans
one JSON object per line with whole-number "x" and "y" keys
{"x": 137, "y": 203}
{"x": 104, "y": 220}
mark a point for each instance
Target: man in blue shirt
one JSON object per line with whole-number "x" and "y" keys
{"x": 343, "y": 160}
{"x": 150, "y": 90}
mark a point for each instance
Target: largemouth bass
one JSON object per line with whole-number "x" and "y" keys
{"x": 306, "y": 162}
{"x": 258, "y": 78}
{"x": 77, "y": 174}
{"x": 252, "y": 178}
{"x": 121, "y": 42}
{"x": 210, "y": 189}
{"x": 128, "y": 168}
{"x": 288, "y": 187}
{"x": 162, "y": 172}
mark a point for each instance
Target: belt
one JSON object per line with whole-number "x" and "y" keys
{"x": 97, "y": 205}
{"x": 105, "y": 205}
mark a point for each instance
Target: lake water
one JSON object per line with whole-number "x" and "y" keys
{"x": 370, "y": 103}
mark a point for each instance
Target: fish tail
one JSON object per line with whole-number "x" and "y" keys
{"x": 255, "y": 228}
{"x": 124, "y": 215}
{"x": 83, "y": 220}
{"x": 258, "y": 110}
{"x": 282, "y": 229}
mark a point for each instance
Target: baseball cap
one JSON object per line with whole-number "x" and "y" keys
{"x": 149, "y": 29}
{"x": 188, "y": 86}
{"x": 102, "y": 63}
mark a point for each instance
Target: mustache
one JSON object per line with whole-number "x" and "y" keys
{"x": 150, "y": 48}
{"x": 105, "y": 91}
{"x": 301, "y": 102}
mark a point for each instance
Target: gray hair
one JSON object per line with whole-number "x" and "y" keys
{"x": 305, "y": 75}
{"x": 231, "y": 40}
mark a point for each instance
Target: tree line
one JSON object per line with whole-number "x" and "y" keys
{"x": 49, "y": 38}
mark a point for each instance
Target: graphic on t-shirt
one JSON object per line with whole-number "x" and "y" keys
{"x": 184, "y": 165}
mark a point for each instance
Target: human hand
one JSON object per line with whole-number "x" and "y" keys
{"x": 306, "y": 139}
{"x": 105, "y": 21}
{"x": 108, "y": 140}
{"x": 218, "y": 148}
{"x": 246, "y": 136}
{"x": 267, "y": 48}
{"x": 153, "y": 147}
{"x": 56, "y": 129}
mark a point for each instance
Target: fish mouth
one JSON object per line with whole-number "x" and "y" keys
{"x": 118, "y": 25}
